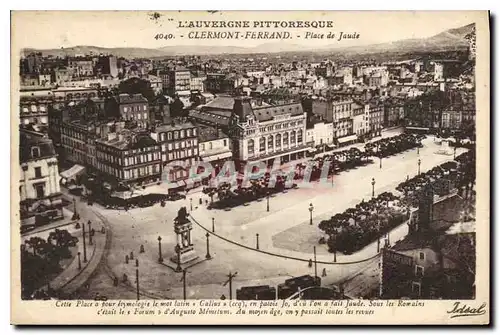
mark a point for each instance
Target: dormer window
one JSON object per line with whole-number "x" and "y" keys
{"x": 35, "y": 152}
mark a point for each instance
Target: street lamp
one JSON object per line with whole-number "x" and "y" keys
{"x": 79, "y": 261}
{"x": 178, "y": 251}
{"x": 137, "y": 277}
{"x": 191, "y": 204}
{"x": 373, "y": 187}
{"x": 257, "y": 241}
{"x": 90, "y": 232}
{"x": 213, "y": 225}
{"x": 380, "y": 157}
{"x": 378, "y": 234}
{"x": 419, "y": 162}
{"x": 311, "y": 208}
{"x": 267, "y": 197}
{"x": 418, "y": 150}
{"x": 160, "y": 257}
{"x": 84, "y": 245}
{"x": 208, "y": 256}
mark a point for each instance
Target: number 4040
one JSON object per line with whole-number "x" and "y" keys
{"x": 164, "y": 36}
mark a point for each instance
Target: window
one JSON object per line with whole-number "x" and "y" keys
{"x": 421, "y": 256}
{"x": 292, "y": 137}
{"x": 419, "y": 271}
{"x": 262, "y": 144}
{"x": 285, "y": 139}
{"x": 169, "y": 135}
{"x": 251, "y": 147}
{"x": 176, "y": 135}
{"x": 270, "y": 142}
{"x": 202, "y": 146}
{"x": 35, "y": 152}
{"x": 182, "y": 133}
{"x": 416, "y": 288}
{"x": 225, "y": 142}
{"x": 145, "y": 115}
{"x": 40, "y": 190}
{"x": 188, "y": 132}
{"x": 299, "y": 136}
{"x": 278, "y": 141}
{"x": 210, "y": 146}
{"x": 38, "y": 172}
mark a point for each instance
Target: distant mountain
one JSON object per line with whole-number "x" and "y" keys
{"x": 448, "y": 40}
{"x": 93, "y": 50}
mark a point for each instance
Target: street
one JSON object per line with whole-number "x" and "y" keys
{"x": 286, "y": 238}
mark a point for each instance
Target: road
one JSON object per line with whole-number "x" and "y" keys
{"x": 288, "y": 211}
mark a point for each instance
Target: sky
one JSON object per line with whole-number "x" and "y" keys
{"x": 56, "y": 29}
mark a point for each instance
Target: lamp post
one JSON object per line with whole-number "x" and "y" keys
{"x": 178, "y": 251}
{"x": 373, "y": 187}
{"x": 454, "y": 152}
{"x": 378, "y": 238}
{"x": 137, "y": 277}
{"x": 208, "y": 256}
{"x": 257, "y": 241}
{"x": 335, "y": 249}
{"x": 90, "y": 232}
{"x": 213, "y": 225}
{"x": 160, "y": 257}
{"x": 267, "y": 198}
{"x": 311, "y": 208}
{"x": 230, "y": 282}
{"x": 84, "y": 244}
{"x": 315, "y": 264}
{"x": 419, "y": 162}
{"x": 380, "y": 158}
{"x": 184, "y": 282}
{"x": 79, "y": 261}
{"x": 191, "y": 204}
{"x": 418, "y": 150}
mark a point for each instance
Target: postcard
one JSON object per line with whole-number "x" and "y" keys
{"x": 255, "y": 168}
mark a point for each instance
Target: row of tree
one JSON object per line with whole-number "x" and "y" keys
{"x": 40, "y": 259}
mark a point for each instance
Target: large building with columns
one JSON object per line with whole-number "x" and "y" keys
{"x": 267, "y": 133}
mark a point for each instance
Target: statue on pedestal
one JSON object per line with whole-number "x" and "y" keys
{"x": 184, "y": 251}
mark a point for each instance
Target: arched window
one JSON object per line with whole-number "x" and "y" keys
{"x": 278, "y": 141}
{"x": 292, "y": 137}
{"x": 262, "y": 144}
{"x": 270, "y": 142}
{"x": 251, "y": 147}
{"x": 299, "y": 136}
{"x": 285, "y": 139}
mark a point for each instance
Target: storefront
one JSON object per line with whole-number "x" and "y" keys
{"x": 347, "y": 140}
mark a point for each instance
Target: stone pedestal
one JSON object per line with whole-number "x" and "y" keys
{"x": 184, "y": 251}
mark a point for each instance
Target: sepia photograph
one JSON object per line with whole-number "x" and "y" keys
{"x": 189, "y": 161}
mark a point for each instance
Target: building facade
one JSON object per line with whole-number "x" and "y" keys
{"x": 128, "y": 157}
{"x": 135, "y": 108}
{"x": 268, "y": 133}
{"x": 39, "y": 190}
{"x": 179, "y": 143}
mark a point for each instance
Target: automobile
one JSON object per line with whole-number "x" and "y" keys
{"x": 27, "y": 227}
{"x": 175, "y": 197}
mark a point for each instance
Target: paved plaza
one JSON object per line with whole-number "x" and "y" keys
{"x": 286, "y": 239}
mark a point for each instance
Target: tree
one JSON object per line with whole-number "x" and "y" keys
{"x": 135, "y": 86}
{"x": 37, "y": 244}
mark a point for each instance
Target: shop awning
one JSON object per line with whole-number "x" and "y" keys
{"x": 216, "y": 157}
{"x": 348, "y": 138}
{"x": 71, "y": 173}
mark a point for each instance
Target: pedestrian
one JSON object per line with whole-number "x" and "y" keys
{"x": 310, "y": 263}
{"x": 324, "y": 272}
